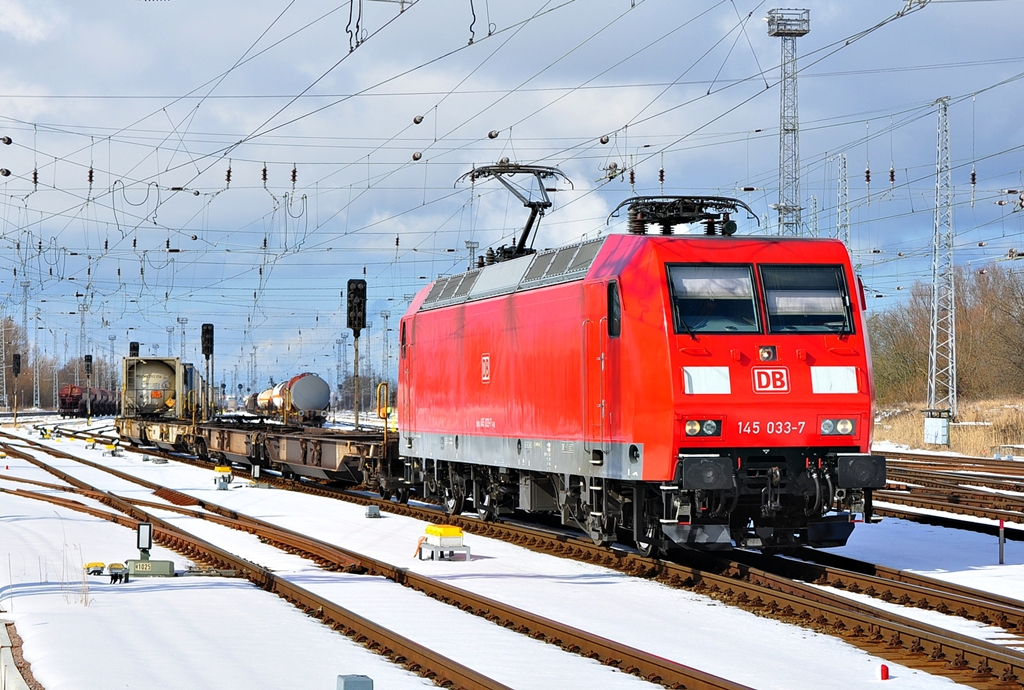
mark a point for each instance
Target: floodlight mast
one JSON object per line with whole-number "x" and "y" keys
{"x": 540, "y": 173}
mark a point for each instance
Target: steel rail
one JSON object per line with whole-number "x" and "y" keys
{"x": 627, "y": 659}
{"x": 889, "y": 635}
{"x": 401, "y": 650}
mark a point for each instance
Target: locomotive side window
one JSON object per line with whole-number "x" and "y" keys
{"x": 806, "y": 299}
{"x": 712, "y": 299}
{"x": 614, "y": 311}
{"x": 402, "y": 338}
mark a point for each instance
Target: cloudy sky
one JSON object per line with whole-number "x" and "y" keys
{"x": 311, "y": 107}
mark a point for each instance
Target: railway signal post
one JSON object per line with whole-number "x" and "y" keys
{"x": 16, "y": 370}
{"x": 357, "y": 322}
{"x": 207, "y": 343}
{"x": 88, "y": 389}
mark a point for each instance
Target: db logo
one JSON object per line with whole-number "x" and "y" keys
{"x": 485, "y": 368}
{"x": 771, "y": 380}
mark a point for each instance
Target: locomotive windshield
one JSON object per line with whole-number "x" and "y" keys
{"x": 806, "y": 299}
{"x": 713, "y": 299}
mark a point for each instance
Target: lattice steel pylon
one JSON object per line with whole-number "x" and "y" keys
{"x": 789, "y": 25}
{"x": 843, "y": 203}
{"x": 942, "y": 343}
{"x": 3, "y": 355}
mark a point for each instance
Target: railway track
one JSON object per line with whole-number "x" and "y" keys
{"x": 987, "y": 488}
{"x": 768, "y": 588}
{"x": 331, "y": 557}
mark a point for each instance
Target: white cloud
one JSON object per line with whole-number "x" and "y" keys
{"x": 29, "y": 25}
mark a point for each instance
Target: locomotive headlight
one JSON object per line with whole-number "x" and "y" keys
{"x": 767, "y": 353}
{"x": 838, "y": 427}
{"x": 703, "y": 427}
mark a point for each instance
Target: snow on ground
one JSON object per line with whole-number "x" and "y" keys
{"x": 676, "y": 624}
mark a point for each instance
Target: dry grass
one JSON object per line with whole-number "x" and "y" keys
{"x": 981, "y": 428}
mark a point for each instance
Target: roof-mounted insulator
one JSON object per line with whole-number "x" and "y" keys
{"x": 635, "y": 222}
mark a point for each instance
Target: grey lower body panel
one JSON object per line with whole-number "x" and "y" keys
{"x": 617, "y": 460}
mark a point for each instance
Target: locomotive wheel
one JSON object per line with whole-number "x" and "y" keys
{"x": 487, "y": 511}
{"x": 454, "y": 501}
{"x": 648, "y": 545}
{"x": 403, "y": 495}
{"x": 429, "y": 486}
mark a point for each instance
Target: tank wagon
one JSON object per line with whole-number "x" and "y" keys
{"x": 78, "y": 401}
{"x": 302, "y": 398}
{"x": 700, "y": 389}
{"x": 163, "y": 406}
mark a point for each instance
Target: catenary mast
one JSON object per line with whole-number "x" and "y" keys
{"x": 789, "y": 25}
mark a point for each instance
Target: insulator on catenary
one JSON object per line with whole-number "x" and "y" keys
{"x": 974, "y": 178}
{"x": 396, "y": 240}
{"x": 90, "y": 175}
{"x": 892, "y": 175}
{"x": 264, "y": 173}
{"x": 106, "y": 245}
{"x": 227, "y": 175}
{"x": 167, "y": 243}
{"x": 661, "y": 175}
{"x": 135, "y": 242}
{"x": 295, "y": 174}
{"x": 35, "y": 177}
{"x": 867, "y": 175}
{"x": 632, "y": 176}
{"x": 264, "y": 242}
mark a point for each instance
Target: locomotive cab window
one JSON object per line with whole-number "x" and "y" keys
{"x": 402, "y": 339}
{"x": 712, "y": 299}
{"x": 614, "y": 311}
{"x": 807, "y": 299}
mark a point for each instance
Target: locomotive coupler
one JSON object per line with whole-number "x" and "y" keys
{"x": 770, "y": 494}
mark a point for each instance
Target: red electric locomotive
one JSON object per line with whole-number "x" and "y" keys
{"x": 698, "y": 389}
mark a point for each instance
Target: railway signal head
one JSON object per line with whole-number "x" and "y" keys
{"x": 88, "y": 365}
{"x": 16, "y": 364}
{"x": 133, "y": 349}
{"x": 207, "y": 340}
{"x": 356, "y": 305}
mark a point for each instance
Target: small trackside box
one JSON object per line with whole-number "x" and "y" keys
{"x": 444, "y": 535}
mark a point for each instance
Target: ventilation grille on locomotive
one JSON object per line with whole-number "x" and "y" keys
{"x": 538, "y": 270}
